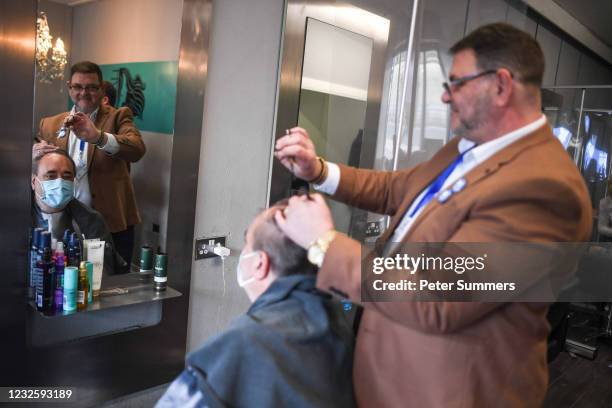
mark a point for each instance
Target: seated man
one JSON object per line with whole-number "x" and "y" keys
{"x": 55, "y": 208}
{"x": 293, "y": 347}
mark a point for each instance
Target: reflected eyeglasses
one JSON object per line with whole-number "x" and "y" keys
{"x": 457, "y": 83}
{"x": 87, "y": 88}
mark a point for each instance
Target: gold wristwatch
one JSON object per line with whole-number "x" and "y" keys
{"x": 317, "y": 250}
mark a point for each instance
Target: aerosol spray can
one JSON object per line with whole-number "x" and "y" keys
{"x": 44, "y": 275}
{"x": 146, "y": 261}
{"x": 74, "y": 250}
{"x": 161, "y": 277}
{"x": 59, "y": 276}
{"x": 33, "y": 258}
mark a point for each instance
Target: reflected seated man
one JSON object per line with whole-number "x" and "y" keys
{"x": 292, "y": 348}
{"x": 55, "y": 209}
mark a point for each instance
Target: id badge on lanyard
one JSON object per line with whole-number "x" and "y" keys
{"x": 81, "y": 163}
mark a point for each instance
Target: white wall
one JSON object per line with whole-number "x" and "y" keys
{"x": 237, "y": 136}
{"x": 336, "y": 61}
{"x": 112, "y": 31}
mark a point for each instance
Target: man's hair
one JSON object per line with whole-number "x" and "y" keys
{"x": 286, "y": 257}
{"x": 110, "y": 92}
{"x": 501, "y": 45}
{"x": 86, "y": 67}
{"x": 61, "y": 152}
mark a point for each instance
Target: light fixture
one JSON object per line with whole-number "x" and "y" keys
{"x": 50, "y": 60}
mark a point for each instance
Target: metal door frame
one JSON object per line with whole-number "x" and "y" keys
{"x": 290, "y": 78}
{"x": 109, "y": 366}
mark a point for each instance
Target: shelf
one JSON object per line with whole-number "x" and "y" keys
{"x": 139, "y": 287}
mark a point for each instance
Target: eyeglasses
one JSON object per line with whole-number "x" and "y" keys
{"x": 87, "y": 88}
{"x": 457, "y": 83}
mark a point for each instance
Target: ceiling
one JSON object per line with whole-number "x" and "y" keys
{"x": 73, "y": 2}
{"x": 593, "y": 14}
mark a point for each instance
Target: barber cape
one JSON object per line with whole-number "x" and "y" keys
{"x": 293, "y": 348}
{"x": 85, "y": 221}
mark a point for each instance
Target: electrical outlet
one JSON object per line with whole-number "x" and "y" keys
{"x": 203, "y": 245}
{"x": 373, "y": 228}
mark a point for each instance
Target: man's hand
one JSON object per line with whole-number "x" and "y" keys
{"x": 297, "y": 153}
{"x": 38, "y": 149}
{"x": 304, "y": 221}
{"x": 84, "y": 128}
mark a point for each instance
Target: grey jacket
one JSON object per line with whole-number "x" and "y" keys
{"x": 86, "y": 221}
{"x": 293, "y": 348}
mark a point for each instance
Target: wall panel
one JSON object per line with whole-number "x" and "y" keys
{"x": 569, "y": 62}
{"x": 483, "y": 12}
{"x": 551, "y": 44}
{"x": 235, "y": 154}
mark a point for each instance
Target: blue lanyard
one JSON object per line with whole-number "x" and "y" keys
{"x": 434, "y": 187}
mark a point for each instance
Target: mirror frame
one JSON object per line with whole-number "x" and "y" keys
{"x": 340, "y": 15}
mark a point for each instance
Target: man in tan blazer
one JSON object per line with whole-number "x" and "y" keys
{"x": 102, "y": 141}
{"x": 503, "y": 178}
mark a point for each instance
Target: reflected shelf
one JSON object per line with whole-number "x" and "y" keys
{"x": 119, "y": 290}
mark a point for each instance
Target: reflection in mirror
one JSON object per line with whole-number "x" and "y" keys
{"x": 333, "y": 97}
{"x": 595, "y": 164}
{"x": 562, "y": 109}
{"x": 121, "y": 144}
{"x": 430, "y": 129}
{"x": 582, "y": 123}
{"x": 581, "y": 119}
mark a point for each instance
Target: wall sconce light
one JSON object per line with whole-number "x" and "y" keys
{"x": 50, "y": 60}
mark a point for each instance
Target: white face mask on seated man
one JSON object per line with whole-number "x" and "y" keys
{"x": 240, "y": 272}
{"x": 269, "y": 254}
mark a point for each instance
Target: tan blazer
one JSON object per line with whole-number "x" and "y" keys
{"x": 112, "y": 192}
{"x": 460, "y": 354}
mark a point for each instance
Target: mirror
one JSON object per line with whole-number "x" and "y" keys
{"x": 333, "y": 97}
{"x": 339, "y": 95}
{"x": 337, "y": 81}
{"x": 136, "y": 45}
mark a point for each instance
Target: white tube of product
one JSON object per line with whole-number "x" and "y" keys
{"x": 85, "y": 245}
{"x": 95, "y": 255}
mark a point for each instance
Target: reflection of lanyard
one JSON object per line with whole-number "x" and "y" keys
{"x": 92, "y": 116}
{"x": 81, "y": 149}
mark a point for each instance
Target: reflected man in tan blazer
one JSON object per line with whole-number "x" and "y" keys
{"x": 515, "y": 184}
{"x": 102, "y": 141}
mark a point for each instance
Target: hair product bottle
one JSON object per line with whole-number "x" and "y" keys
{"x": 82, "y": 295}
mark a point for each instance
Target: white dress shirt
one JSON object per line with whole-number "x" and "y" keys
{"x": 81, "y": 180}
{"x": 471, "y": 159}
{"x": 55, "y": 223}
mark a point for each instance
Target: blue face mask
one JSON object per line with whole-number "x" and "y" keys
{"x": 56, "y": 193}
